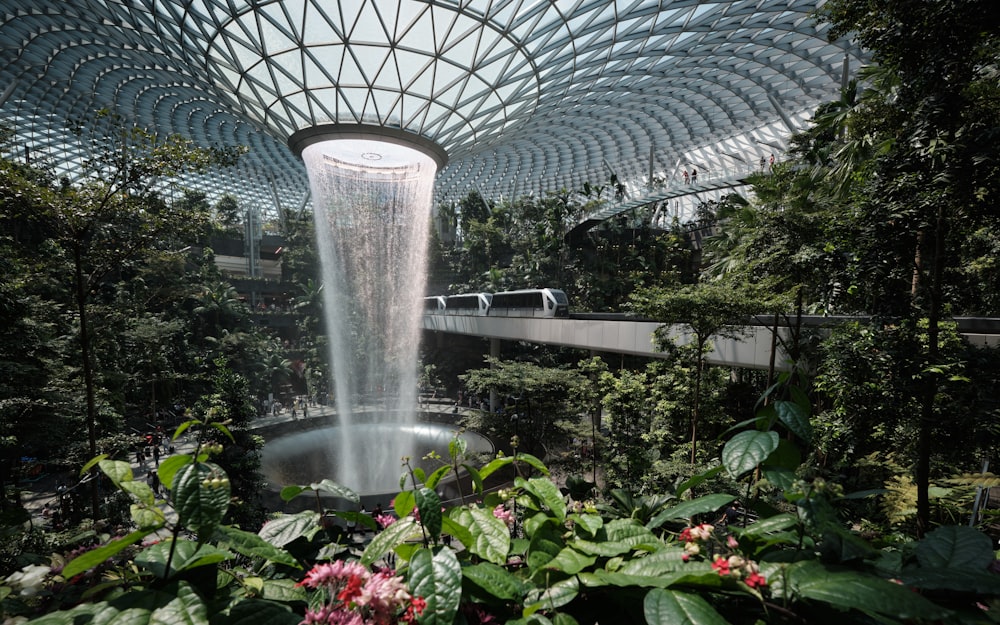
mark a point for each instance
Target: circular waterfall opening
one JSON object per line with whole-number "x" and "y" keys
{"x": 307, "y": 457}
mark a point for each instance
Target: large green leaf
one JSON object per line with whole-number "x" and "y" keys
{"x": 386, "y": 540}
{"x": 620, "y": 536}
{"x": 955, "y": 547}
{"x": 170, "y": 466}
{"x": 285, "y": 528}
{"x": 688, "y": 509}
{"x": 495, "y": 465}
{"x": 257, "y": 612}
{"x": 437, "y": 577}
{"x": 141, "y": 490}
{"x": 147, "y": 517}
{"x": 546, "y": 543}
{"x": 851, "y": 590}
{"x": 964, "y": 581}
{"x": 325, "y": 486}
{"x": 94, "y": 557}
{"x": 186, "y": 608}
{"x": 186, "y": 555}
{"x": 429, "y": 504}
{"x": 250, "y": 544}
{"x": 490, "y": 536}
{"x": 670, "y": 607}
{"x": 743, "y": 452}
{"x": 555, "y": 596}
{"x": 201, "y": 496}
{"x": 495, "y": 580}
{"x": 569, "y": 561}
{"x": 116, "y": 470}
{"x": 548, "y": 495}
{"x": 795, "y": 417}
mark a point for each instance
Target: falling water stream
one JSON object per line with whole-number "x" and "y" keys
{"x": 372, "y": 206}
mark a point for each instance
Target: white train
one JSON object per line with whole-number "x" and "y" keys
{"x": 520, "y": 303}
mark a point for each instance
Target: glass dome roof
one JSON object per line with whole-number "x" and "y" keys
{"x": 523, "y": 95}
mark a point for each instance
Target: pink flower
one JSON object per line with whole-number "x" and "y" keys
{"x": 332, "y": 573}
{"x": 721, "y": 565}
{"x": 385, "y": 520}
{"x": 326, "y": 615}
{"x": 732, "y": 542}
{"x": 504, "y": 515}
{"x": 756, "y": 580}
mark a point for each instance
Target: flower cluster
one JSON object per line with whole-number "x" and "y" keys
{"x": 504, "y": 515}
{"x": 353, "y": 595}
{"x": 701, "y": 540}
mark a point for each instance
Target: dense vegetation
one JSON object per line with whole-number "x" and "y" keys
{"x": 838, "y": 491}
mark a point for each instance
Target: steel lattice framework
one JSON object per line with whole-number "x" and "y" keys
{"x": 523, "y": 95}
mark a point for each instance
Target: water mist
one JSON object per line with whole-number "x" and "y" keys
{"x": 372, "y": 206}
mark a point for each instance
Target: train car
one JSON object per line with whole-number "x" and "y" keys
{"x": 472, "y": 304}
{"x": 530, "y": 303}
{"x": 434, "y": 304}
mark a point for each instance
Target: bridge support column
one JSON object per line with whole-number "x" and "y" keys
{"x": 494, "y": 353}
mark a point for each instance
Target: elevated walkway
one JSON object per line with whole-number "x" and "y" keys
{"x": 725, "y": 180}
{"x": 619, "y": 334}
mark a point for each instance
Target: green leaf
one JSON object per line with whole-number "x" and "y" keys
{"x": 590, "y": 523}
{"x": 546, "y": 543}
{"x": 169, "y": 466}
{"x": 116, "y": 470}
{"x": 850, "y": 590}
{"x": 90, "y": 463}
{"x": 257, "y": 612}
{"x": 141, "y": 490}
{"x": 285, "y": 528}
{"x": 201, "y": 497}
{"x": 495, "y": 580}
{"x": 429, "y": 505}
{"x": 335, "y": 489}
{"x": 688, "y": 509}
{"x": 556, "y": 595}
{"x": 955, "y": 547}
{"x": 495, "y": 465}
{"x": 457, "y": 447}
{"x": 186, "y": 555}
{"x": 620, "y": 536}
{"x": 186, "y": 608}
{"x": 795, "y": 417}
{"x": 184, "y": 426}
{"x": 770, "y": 525}
{"x": 284, "y": 590}
{"x": 456, "y": 529}
{"x": 569, "y": 561}
{"x": 963, "y": 581}
{"x": 436, "y": 476}
{"x": 533, "y": 462}
{"x": 222, "y": 428}
{"x": 490, "y": 536}
{"x": 404, "y": 503}
{"x": 477, "y": 479}
{"x": 548, "y": 495}
{"x": 250, "y": 544}
{"x": 386, "y": 540}
{"x": 437, "y": 577}
{"x": 670, "y": 607}
{"x": 697, "y": 480}
{"x": 97, "y": 556}
{"x": 786, "y": 456}
{"x": 743, "y": 452}
{"x": 147, "y": 517}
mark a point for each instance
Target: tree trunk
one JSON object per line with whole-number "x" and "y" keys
{"x": 930, "y": 382}
{"x": 88, "y": 373}
{"x": 697, "y": 399}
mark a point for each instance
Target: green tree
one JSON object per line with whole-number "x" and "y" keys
{"x": 707, "y": 311}
{"x": 112, "y": 217}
